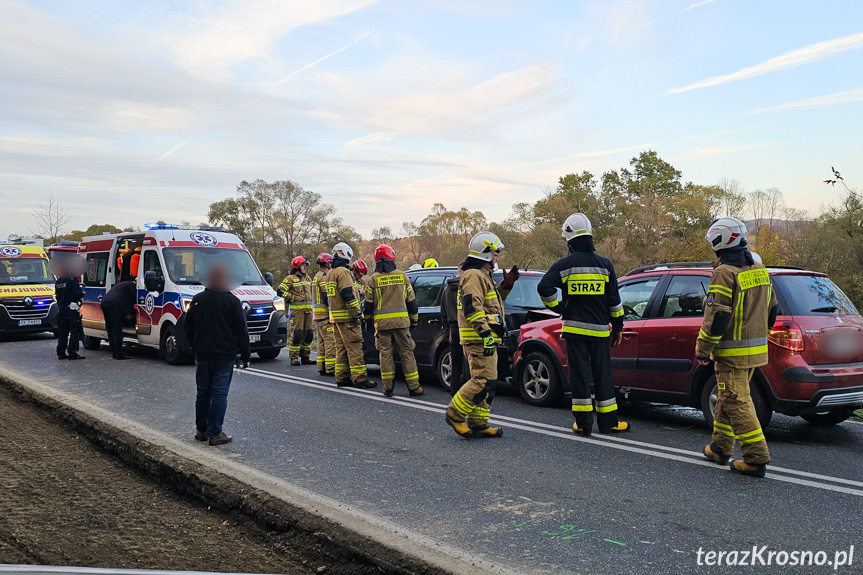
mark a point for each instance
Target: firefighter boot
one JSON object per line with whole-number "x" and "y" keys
{"x": 715, "y": 455}
{"x": 583, "y": 431}
{"x": 487, "y": 431}
{"x": 416, "y": 392}
{"x": 460, "y": 427}
{"x": 743, "y": 468}
{"x": 621, "y": 427}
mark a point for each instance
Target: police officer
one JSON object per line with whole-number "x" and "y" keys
{"x": 449, "y": 321}
{"x": 346, "y": 317}
{"x": 326, "y": 344}
{"x": 296, "y": 288}
{"x": 69, "y": 295}
{"x": 391, "y": 312}
{"x": 481, "y": 328}
{"x": 590, "y": 303}
{"x": 739, "y": 311}
{"x": 116, "y": 305}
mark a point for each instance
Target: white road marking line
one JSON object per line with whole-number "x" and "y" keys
{"x": 654, "y": 450}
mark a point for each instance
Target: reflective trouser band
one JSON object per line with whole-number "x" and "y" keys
{"x": 606, "y": 406}
{"x": 582, "y": 404}
{"x": 469, "y": 334}
{"x": 474, "y": 316}
{"x": 480, "y": 414}
{"x": 358, "y": 369}
{"x": 388, "y": 374}
{"x": 582, "y": 328}
{"x": 412, "y": 376}
{"x": 739, "y": 351}
{"x": 751, "y": 437}
{"x": 461, "y": 404}
{"x": 293, "y": 348}
{"x": 330, "y": 361}
{"x": 722, "y": 428}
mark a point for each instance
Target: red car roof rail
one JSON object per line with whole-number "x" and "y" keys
{"x": 669, "y": 265}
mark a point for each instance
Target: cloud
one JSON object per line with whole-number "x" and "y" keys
{"x": 846, "y": 97}
{"x": 719, "y": 150}
{"x": 687, "y": 9}
{"x": 792, "y": 59}
{"x": 171, "y": 151}
{"x": 597, "y": 154}
{"x": 242, "y": 30}
{"x": 319, "y": 60}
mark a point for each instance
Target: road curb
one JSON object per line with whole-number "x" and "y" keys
{"x": 335, "y": 533}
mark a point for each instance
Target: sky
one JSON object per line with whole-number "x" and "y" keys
{"x": 134, "y": 111}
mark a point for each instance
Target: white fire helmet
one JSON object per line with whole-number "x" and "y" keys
{"x": 575, "y": 226}
{"x": 726, "y": 233}
{"x": 343, "y": 250}
{"x": 484, "y": 245}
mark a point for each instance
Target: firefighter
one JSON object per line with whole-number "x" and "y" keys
{"x": 590, "y": 303}
{"x": 391, "y": 312}
{"x": 296, "y": 288}
{"x": 360, "y": 269}
{"x": 739, "y": 310}
{"x": 326, "y": 345}
{"x": 449, "y": 321}
{"x": 430, "y": 263}
{"x": 481, "y": 328}
{"x": 346, "y": 318}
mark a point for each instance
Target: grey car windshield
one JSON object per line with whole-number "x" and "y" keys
{"x": 24, "y": 271}
{"x": 187, "y": 265}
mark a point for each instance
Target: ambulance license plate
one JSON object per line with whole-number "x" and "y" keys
{"x": 22, "y": 322}
{"x": 254, "y": 338}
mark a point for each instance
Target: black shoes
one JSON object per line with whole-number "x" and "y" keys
{"x": 75, "y": 356}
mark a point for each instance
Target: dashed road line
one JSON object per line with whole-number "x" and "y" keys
{"x": 783, "y": 474}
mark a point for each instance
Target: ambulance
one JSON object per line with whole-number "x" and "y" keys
{"x": 166, "y": 262}
{"x": 26, "y": 289}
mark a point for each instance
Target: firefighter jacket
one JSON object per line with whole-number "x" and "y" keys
{"x": 319, "y": 296}
{"x": 342, "y": 296}
{"x": 390, "y": 301}
{"x": 297, "y": 291}
{"x": 590, "y": 300}
{"x": 480, "y": 305}
{"x": 737, "y": 310}
{"x": 449, "y": 303}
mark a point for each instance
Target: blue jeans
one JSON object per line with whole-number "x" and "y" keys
{"x": 214, "y": 380}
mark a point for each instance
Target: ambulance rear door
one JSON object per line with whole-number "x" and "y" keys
{"x": 98, "y": 279}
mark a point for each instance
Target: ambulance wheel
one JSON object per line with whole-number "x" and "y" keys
{"x": 269, "y": 353}
{"x": 92, "y": 343}
{"x": 710, "y": 395}
{"x": 170, "y": 347}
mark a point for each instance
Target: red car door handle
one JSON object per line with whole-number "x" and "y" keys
{"x": 627, "y": 333}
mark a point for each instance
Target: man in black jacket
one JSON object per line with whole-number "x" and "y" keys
{"x": 69, "y": 296}
{"x": 590, "y": 303}
{"x": 449, "y": 321}
{"x": 216, "y": 329}
{"x": 116, "y": 305}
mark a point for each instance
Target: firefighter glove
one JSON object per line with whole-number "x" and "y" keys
{"x": 510, "y": 277}
{"x": 489, "y": 346}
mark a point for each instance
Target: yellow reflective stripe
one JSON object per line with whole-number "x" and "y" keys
{"x": 475, "y": 316}
{"x": 358, "y": 369}
{"x": 618, "y": 313}
{"x": 750, "y": 433}
{"x": 412, "y": 376}
{"x": 582, "y": 277}
{"x": 606, "y": 408}
{"x": 340, "y": 313}
{"x": 391, "y": 315}
{"x": 388, "y": 374}
{"x": 582, "y": 408}
{"x": 491, "y": 295}
{"x": 470, "y": 334}
{"x": 739, "y": 351}
{"x": 461, "y": 404}
{"x": 723, "y": 431}
{"x": 353, "y": 303}
{"x": 550, "y": 304}
{"x": 708, "y": 338}
{"x": 722, "y": 425}
{"x": 755, "y": 439}
{"x": 738, "y": 333}
{"x": 580, "y": 331}
{"x": 720, "y": 289}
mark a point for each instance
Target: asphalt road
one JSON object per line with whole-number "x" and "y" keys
{"x": 538, "y": 500}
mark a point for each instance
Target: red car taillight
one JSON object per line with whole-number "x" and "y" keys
{"x": 787, "y": 335}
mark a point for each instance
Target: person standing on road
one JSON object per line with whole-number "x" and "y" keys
{"x": 216, "y": 329}
{"x": 116, "y": 305}
{"x": 69, "y": 295}
{"x": 390, "y": 312}
{"x": 739, "y": 311}
{"x": 326, "y": 344}
{"x": 296, "y": 288}
{"x": 482, "y": 325}
{"x": 360, "y": 269}
{"x": 449, "y": 321}
{"x": 346, "y": 317}
{"x": 590, "y": 302}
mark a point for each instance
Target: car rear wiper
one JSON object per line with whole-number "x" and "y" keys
{"x": 825, "y": 309}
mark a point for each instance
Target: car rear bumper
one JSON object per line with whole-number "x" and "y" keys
{"x": 814, "y": 388}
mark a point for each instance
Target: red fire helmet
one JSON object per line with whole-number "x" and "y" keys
{"x": 325, "y": 258}
{"x": 298, "y": 261}
{"x": 384, "y": 252}
{"x": 360, "y": 267}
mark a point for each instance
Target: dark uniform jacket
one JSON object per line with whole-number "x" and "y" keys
{"x": 449, "y": 303}
{"x": 68, "y": 291}
{"x": 122, "y": 297}
{"x": 590, "y": 298}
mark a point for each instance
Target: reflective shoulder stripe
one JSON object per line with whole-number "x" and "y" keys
{"x": 722, "y": 290}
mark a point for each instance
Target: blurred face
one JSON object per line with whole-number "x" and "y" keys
{"x": 218, "y": 278}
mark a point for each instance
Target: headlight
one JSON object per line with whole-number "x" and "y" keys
{"x": 279, "y": 303}
{"x": 185, "y": 302}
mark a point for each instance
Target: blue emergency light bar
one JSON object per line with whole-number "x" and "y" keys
{"x": 158, "y": 226}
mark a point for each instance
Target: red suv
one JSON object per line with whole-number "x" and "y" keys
{"x": 816, "y": 347}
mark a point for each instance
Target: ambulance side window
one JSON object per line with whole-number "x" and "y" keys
{"x": 97, "y": 269}
{"x": 152, "y": 263}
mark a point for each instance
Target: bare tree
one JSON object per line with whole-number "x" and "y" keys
{"x": 733, "y": 200}
{"x": 50, "y": 218}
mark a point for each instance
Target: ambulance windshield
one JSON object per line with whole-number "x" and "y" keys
{"x": 187, "y": 265}
{"x": 14, "y": 271}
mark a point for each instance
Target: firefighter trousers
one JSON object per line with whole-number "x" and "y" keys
{"x": 472, "y": 402}
{"x": 735, "y": 419}
{"x": 301, "y": 334}
{"x": 350, "y": 362}
{"x": 591, "y": 356}
{"x": 457, "y": 354}
{"x": 397, "y": 340}
{"x": 326, "y": 347}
